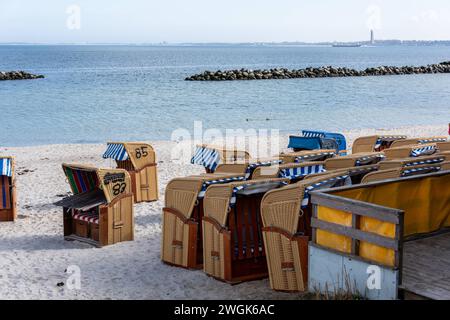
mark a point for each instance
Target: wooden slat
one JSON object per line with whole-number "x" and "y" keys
{"x": 356, "y": 234}
{"x": 356, "y": 207}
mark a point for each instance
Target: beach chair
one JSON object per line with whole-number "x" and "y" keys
{"x": 354, "y": 160}
{"x": 408, "y": 162}
{"x": 233, "y": 249}
{"x": 312, "y": 140}
{"x": 415, "y": 151}
{"x": 307, "y": 155}
{"x": 139, "y": 160}
{"x": 374, "y": 143}
{"x": 292, "y": 171}
{"x": 8, "y": 205}
{"x": 210, "y": 156}
{"x": 401, "y": 172}
{"x": 415, "y": 141}
{"x": 182, "y": 244}
{"x": 100, "y": 211}
{"x": 286, "y": 217}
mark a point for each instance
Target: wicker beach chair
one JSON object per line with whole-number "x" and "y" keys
{"x": 182, "y": 218}
{"x": 415, "y": 141}
{"x": 418, "y": 150}
{"x": 408, "y": 162}
{"x": 100, "y": 211}
{"x": 374, "y": 143}
{"x": 210, "y": 156}
{"x": 8, "y": 207}
{"x": 292, "y": 171}
{"x": 313, "y": 140}
{"x": 400, "y": 172}
{"x": 232, "y": 241}
{"x": 307, "y": 155}
{"x": 286, "y": 218}
{"x": 353, "y": 160}
{"x": 139, "y": 159}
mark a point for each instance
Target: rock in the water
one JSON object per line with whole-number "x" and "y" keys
{"x": 18, "y": 75}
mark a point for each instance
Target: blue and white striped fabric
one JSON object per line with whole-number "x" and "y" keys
{"x": 206, "y": 184}
{"x": 251, "y": 167}
{"x": 429, "y": 161}
{"x": 423, "y": 141}
{"x": 243, "y": 187}
{"x": 369, "y": 160}
{"x": 6, "y": 167}
{"x": 313, "y": 156}
{"x": 207, "y": 157}
{"x": 312, "y": 134}
{"x": 294, "y": 173}
{"x": 343, "y": 180}
{"x": 428, "y": 150}
{"x": 116, "y": 151}
{"x": 419, "y": 170}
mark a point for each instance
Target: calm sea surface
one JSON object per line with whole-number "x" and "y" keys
{"x": 99, "y": 93}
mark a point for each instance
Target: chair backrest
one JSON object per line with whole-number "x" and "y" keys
{"x": 407, "y": 162}
{"x": 292, "y": 171}
{"x": 411, "y": 151}
{"x": 364, "y": 144}
{"x": 307, "y": 155}
{"x": 401, "y": 172}
{"x": 414, "y": 141}
{"x": 353, "y": 160}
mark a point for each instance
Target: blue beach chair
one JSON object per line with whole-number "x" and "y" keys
{"x": 312, "y": 140}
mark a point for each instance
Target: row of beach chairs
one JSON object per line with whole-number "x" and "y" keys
{"x": 99, "y": 210}
{"x": 246, "y": 218}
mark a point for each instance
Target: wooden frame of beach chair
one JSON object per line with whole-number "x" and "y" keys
{"x": 210, "y": 156}
{"x": 233, "y": 248}
{"x": 353, "y": 160}
{"x": 417, "y": 150}
{"x": 420, "y": 140}
{"x": 399, "y": 172}
{"x": 100, "y": 211}
{"x": 231, "y": 168}
{"x": 407, "y": 162}
{"x": 139, "y": 159}
{"x": 8, "y": 204}
{"x": 286, "y": 218}
{"x": 181, "y": 243}
{"x": 374, "y": 143}
{"x": 307, "y": 156}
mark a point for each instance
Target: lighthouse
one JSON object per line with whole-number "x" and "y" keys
{"x": 372, "y": 37}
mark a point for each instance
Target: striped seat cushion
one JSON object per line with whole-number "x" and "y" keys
{"x": 91, "y": 217}
{"x": 5, "y": 192}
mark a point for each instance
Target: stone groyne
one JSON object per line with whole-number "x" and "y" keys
{"x": 18, "y": 75}
{"x": 318, "y": 72}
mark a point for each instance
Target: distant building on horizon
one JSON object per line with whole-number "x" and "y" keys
{"x": 372, "y": 37}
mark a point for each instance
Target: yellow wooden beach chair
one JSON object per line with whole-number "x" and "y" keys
{"x": 139, "y": 159}
{"x": 8, "y": 206}
{"x": 100, "y": 211}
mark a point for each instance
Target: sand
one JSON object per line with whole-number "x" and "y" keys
{"x": 34, "y": 255}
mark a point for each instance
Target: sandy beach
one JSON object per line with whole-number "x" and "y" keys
{"x": 34, "y": 255}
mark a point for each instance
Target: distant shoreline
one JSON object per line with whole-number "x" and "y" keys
{"x": 379, "y": 43}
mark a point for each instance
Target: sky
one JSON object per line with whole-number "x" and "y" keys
{"x": 178, "y": 21}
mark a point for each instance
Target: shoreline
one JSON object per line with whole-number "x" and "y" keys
{"x": 34, "y": 254}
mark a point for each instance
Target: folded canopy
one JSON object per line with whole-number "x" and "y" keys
{"x": 6, "y": 167}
